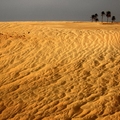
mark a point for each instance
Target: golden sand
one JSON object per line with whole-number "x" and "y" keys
{"x": 59, "y": 71}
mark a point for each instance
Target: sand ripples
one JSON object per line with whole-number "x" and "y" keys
{"x": 50, "y": 72}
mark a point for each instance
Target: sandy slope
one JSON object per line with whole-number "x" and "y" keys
{"x": 59, "y": 71}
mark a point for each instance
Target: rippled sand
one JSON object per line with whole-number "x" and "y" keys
{"x": 59, "y": 71}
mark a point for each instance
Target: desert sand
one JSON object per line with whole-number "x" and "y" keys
{"x": 59, "y": 71}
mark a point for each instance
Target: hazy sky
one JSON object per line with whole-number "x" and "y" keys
{"x": 39, "y": 10}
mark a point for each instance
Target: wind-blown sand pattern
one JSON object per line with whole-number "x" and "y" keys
{"x": 59, "y": 71}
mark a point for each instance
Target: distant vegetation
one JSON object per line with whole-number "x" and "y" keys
{"x": 107, "y": 14}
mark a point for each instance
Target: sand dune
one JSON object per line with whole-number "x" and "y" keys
{"x": 59, "y": 71}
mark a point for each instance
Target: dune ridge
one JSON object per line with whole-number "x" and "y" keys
{"x": 59, "y": 71}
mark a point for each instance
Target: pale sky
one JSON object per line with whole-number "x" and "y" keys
{"x": 56, "y": 10}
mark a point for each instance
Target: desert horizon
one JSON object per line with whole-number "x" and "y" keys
{"x": 59, "y": 70}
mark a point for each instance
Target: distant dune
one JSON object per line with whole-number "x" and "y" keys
{"x": 59, "y": 71}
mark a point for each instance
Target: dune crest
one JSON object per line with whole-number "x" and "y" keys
{"x": 59, "y": 71}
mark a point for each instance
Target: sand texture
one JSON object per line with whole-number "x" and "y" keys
{"x": 59, "y": 71}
